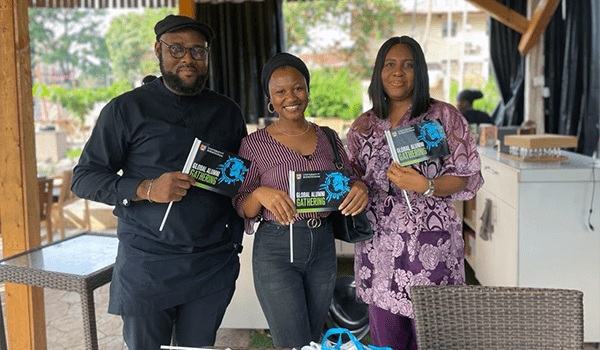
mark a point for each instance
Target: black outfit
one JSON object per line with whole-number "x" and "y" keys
{"x": 474, "y": 116}
{"x": 145, "y": 133}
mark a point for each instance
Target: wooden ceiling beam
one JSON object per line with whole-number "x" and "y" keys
{"x": 102, "y": 3}
{"x": 187, "y": 8}
{"x": 537, "y": 26}
{"x": 531, "y": 30}
{"x": 503, "y": 14}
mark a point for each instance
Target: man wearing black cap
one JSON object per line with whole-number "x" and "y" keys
{"x": 179, "y": 279}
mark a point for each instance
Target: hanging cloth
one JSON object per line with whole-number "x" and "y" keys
{"x": 487, "y": 226}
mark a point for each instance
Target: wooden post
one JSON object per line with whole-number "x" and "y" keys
{"x": 534, "y": 80}
{"x": 187, "y": 8}
{"x": 19, "y": 202}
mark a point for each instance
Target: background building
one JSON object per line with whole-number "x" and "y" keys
{"x": 455, "y": 38}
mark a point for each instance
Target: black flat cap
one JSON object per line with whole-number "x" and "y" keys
{"x": 175, "y": 22}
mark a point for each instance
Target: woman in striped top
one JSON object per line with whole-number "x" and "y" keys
{"x": 294, "y": 295}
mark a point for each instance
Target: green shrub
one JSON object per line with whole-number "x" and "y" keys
{"x": 80, "y": 101}
{"x": 333, "y": 93}
{"x": 74, "y": 153}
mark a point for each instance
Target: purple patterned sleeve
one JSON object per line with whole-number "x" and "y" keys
{"x": 463, "y": 159}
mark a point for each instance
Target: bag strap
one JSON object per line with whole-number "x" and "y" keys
{"x": 343, "y": 331}
{"x": 333, "y": 142}
{"x": 340, "y": 332}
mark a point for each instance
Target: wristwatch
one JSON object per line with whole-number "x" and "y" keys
{"x": 429, "y": 191}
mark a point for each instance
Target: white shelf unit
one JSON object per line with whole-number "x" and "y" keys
{"x": 541, "y": 235}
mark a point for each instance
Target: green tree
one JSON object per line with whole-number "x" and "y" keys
{"x": 365, "y": 20}
{"x": 80, "y": 101}
{"x": 69, "y": 39}
{"x": 130, "y": 39}
{"x": 334, "y": 94}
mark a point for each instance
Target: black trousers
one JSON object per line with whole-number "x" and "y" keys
{"x": 191, "y": 324}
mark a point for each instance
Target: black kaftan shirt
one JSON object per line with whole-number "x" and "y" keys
{"x": 141, "y": 135}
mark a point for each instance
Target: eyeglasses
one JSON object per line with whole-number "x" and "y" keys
{"x": 178, "y": 51}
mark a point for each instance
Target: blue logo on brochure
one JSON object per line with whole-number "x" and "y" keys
{"x": 232, "y": 170}
{"x": 431, "y": 134}
{"x": 336, "y": 185}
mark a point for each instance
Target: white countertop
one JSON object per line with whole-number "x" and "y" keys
{"x": 577, "y": 168}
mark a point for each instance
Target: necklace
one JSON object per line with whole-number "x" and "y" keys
{"x": 286, "y": 134}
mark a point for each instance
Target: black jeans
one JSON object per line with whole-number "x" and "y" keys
{"x": 295, "y": 297}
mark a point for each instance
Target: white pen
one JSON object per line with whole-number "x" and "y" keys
{"x": 162, "y": 225}
{"x": 186, "y": 170}
{"x": 407, "y": 201}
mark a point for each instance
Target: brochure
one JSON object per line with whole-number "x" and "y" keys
{"x": 213, "y": 169}
{"x": 418, "y": 142}
{"x": 216, "y": 170}
{"x": 316, "y": 191}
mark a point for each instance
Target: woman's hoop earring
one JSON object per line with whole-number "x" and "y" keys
{"x": 270, "y": 107}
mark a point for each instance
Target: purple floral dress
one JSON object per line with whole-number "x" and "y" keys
{"x": 420, "y": 248}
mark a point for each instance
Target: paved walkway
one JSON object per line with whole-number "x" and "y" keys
{"x": 64, "y": 321}
{"x": 64, "y": 325}
{"x": 64, "y": 328}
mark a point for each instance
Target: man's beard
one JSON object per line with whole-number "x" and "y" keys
{"x": 174, "y": 82}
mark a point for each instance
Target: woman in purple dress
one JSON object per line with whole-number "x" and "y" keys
{"x": 423, "y": 246}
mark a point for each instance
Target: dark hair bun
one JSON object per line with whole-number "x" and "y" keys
{"x": 470, "y": 95}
